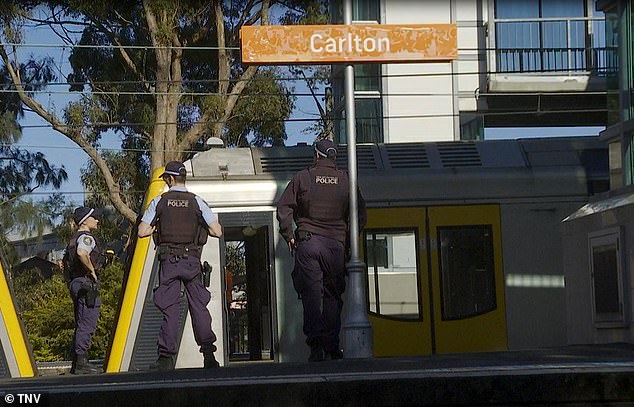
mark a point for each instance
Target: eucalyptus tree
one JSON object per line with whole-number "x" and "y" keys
{"x": 162, "y": 75}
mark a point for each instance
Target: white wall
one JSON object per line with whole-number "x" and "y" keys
{"x": 431, "y": 112}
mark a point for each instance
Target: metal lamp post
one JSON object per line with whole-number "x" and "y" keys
{"x": 356, "y": 328}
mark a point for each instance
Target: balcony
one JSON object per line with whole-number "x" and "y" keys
{"x": 554, "y": 69}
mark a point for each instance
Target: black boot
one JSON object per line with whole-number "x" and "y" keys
{"x": 335, "y": 355}
{"x": 210, "y": 361}
{"x": 81, "y": 366}
{"x": 317, "y": 353}
{"x": 163, "y": 364}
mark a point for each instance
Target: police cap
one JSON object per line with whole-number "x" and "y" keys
{"x": 174, "y": 168}
{"x": 82, "y": 213}
{"x": 325, "y": 148}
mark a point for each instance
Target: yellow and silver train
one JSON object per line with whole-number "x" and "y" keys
{"x": 16, "y": 357}
{"x": 462, "y": 248}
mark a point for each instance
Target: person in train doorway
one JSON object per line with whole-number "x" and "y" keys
{"x": 181, "y": 222}
{"x": 317, "y": 201}
{"x": 81, "y": 263}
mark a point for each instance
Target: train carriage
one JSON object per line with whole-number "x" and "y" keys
{"x": 16, "y": 357}
{"x": 462, "y": 249}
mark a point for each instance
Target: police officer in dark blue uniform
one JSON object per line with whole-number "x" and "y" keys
{"x": 81, "y": 264}
{"x": 317, "y": 200}
{"x": 182, "y": 221}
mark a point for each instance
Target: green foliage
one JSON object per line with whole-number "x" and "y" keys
{"x": 267, "y": 102}
{"x": 23, "y": 171}
{"x": 47, "y": 313}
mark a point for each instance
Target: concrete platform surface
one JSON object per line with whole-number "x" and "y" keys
{"x": 569, "y": 376}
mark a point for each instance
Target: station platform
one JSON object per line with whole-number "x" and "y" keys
{"x": 601, "y": 375}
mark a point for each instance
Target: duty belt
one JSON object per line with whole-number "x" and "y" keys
{"x": 167, "y": 251}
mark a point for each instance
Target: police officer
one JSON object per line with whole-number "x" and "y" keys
{"x": 182, "y": 221}
{"x": 84, "y": 255}
{"x": 317, "y": 199}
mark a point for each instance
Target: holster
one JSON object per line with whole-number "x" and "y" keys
{"x": 91, "y": 292}
{"x": 206, "y": 274}
{"x": 302, "y": 235}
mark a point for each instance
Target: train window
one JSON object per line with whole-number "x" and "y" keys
{"x": 607, "y": 282}
{"x": 467, "y": 274}
{"x": 392, "y": 263}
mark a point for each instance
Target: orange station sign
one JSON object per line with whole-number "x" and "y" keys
{"x": 325, "y": 44}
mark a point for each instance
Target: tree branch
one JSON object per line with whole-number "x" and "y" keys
{"x": 231, "y": 99}
{"x": 72, "y": 134}
{"x": 124, "y": 54}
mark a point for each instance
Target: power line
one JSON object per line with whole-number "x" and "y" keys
{"x": 255, "y": 95}
{"x": 391, "y": 117}
{"x": 122, "y": 46}
{"x": 566, "y": 73}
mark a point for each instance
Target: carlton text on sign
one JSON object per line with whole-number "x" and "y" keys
{"x": 324, "y": 44}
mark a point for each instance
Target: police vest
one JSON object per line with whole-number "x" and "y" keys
{"x": 72, "y": 265}
{"x": 179, "y": 220}
{"x": 327, "y": 198}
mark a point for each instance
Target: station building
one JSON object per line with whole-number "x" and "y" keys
{"x": 599, "y": 237}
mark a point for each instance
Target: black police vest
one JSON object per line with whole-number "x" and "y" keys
{"x": 76, "y": 268}
{"x": 179, "y": 220}
{"x": 327, "y": 198}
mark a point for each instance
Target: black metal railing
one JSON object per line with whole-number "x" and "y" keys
{"x": 596, "y": 61}
{"x": 572, "y": 44}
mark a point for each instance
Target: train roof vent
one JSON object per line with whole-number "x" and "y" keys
{"x": 366, "y": 157}
{"x": 459, "y": 154}
{"x": 276, "y": 164}
{"x": 407, "y": 155}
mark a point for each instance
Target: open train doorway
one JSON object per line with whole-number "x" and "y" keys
{"x": 248, "y": 286}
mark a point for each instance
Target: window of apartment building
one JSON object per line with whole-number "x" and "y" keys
{"x": 367, "y": 87}
{"x": 467, "y": 274}
{"x": 542, "y": 35}
{"x": 362, "y": 10}
{"x": 627, "y": 60}
{"x": 612, "y": 64}
{"x": 606, "y": 276}
{"x": 392, "y": 273}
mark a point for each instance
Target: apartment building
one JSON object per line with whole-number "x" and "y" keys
{"x": 520, "y": 63}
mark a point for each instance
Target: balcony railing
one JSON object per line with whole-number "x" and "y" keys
{"x": 575, "y": 44}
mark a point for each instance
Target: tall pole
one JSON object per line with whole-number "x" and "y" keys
{"x": 356, "y": 328}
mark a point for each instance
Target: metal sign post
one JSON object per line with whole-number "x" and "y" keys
{"x": 356, "y": 328}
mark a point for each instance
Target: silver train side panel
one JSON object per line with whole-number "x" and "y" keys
{"x": 188, "y": 353}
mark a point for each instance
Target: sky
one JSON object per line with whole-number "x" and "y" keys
{"x": 38, "y": 136}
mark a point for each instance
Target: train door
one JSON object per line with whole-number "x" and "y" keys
{"x": 467, "y": 278}
{"x": 398, "y": 284}
{"x": 435, "y": 279}
{"x": 247, "y": 255}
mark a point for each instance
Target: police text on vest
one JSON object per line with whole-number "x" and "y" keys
{"x": 178, "y": 203}
{"x": 326, "y": 179}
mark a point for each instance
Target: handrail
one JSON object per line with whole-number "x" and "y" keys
{"x": 538, "y": 19}
{"x": 551, "y": 44}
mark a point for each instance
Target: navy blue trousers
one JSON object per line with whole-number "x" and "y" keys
{"x": 175, "y": 270}
{"x": 85, "y": 316}
{"x": 319, "y": 279}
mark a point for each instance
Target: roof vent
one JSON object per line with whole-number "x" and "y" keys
{"x": 459, "y": 154}
{"x": 407, "y": 156}
{"x": 275, "y": 164}
{"x": 365, "y": 157}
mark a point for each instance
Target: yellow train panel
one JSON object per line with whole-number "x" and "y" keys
{"x": 18, "y": 344}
